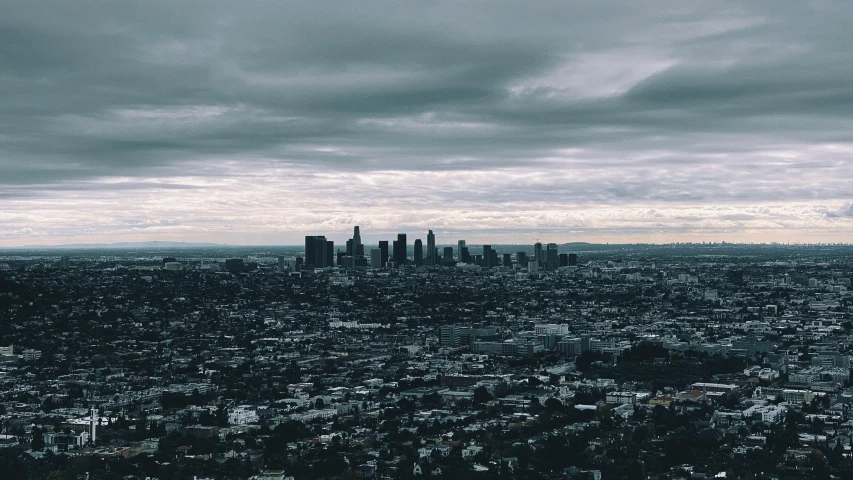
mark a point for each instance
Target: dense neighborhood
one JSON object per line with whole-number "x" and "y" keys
{"x": 682, "y": 361}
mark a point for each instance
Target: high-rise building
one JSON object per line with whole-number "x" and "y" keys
{"x": 507, "y": 260}
{"x": 460, "y": 245}
{"x": 400, "y": 249}
{"x": 537, "y": 255}
{"x": 419, "y": 252}
{"x": 282, "y": 266}
{"x": 564, "y": 259}
{"x": 431, "y": 252}
{"x": 330, "y": 254}
{"x": 450, "y": 335}
{"x": 464, "y": 255}
{"x": 448, "y": 253}
{"x": 573, "y": 259}
{"x": 358, "y": 247}
{"x": 316, "y": 251}
{"x": 521, "y": 258}
{"x": 310, "y": 249}
{"x": 65, "y": 263}
{"x": 234, "y": 265}
{"x": 383, "y": 247}
{"x": 552, "y": 260}
{"x": 376, "y": 258}
{"x": 487, "y": 256}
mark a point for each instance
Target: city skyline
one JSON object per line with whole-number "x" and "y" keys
{"x": 259, "y": 124}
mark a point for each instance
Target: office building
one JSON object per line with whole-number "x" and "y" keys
{"x": 448, "y": 253}
{"x": 487, "y": 256}
{"x": 311, "y": 250}
{"x": 419, "y": 253}
{"x": 358, "y": 247}
{"x": 460, "y": 245}
{"x": 344, "y": 260}
{"x": 564, "y": 260}
{"x": 376, "y": 258}
{"x": 521, "y": 258}
{"x": 431, "y": 251}
{"x": 400, "y": 249}
{"x": 537, "y": 255}
{"x": 507, "y": 260}
{"x": 383, "y": 247}
{"x": 65, "y": 263}
{"x": 570, "y": 347}
{"x": 330, "y": 254}
{"x": 450, "y": 335}
{"x": 573, "y": 259}
{"x": 234, "y": 265}
{"x": 317, "y": 253}
{"x": 552, "y": 260}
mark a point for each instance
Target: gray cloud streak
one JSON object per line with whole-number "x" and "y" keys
{"x": 635, "y": 102}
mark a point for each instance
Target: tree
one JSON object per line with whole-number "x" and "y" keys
{"x": 222, "y": 416}
{"x": 142, "y": 424}
{"x": 553, "y": 405}
{"x": 481, "y": 395}
{"x": 38, "y": 440}
{"x": 637, "y": 470}
{"x": 535, "y": 406}
{"x": 641, "y": 433}
{"x": 585, "y": 359}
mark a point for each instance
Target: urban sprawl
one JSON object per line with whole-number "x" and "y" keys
{"x": 573, "y": 361}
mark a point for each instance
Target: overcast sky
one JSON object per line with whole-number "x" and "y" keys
{"x": 260, "y": 122}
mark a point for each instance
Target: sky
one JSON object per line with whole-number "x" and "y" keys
{"x": 259, "y": 122}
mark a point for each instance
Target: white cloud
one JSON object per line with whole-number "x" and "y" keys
{"x": 269, "y": 203}
{"x": 595, "y": 74}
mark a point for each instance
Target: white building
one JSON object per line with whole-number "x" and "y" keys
{"x": 30, "y": 355}
{"x": 242, "y": 416}
{"x": 622, "y": 398}
{"x": 551, "y": 329}
{"x": 766, "y": 413}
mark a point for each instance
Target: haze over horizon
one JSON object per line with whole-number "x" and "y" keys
{"x": 261, "y": 122}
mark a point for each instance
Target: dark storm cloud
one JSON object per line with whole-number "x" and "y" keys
{"x": 640, "y": 88}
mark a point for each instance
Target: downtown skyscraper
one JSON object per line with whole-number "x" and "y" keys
{"x": 319, "y": 252}
{"x": 419, "y": 253}
{"x": 431, "y": 252}
{"x": 400, "y": 249}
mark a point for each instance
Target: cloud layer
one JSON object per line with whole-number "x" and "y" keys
{"x": 260, "y": 122}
